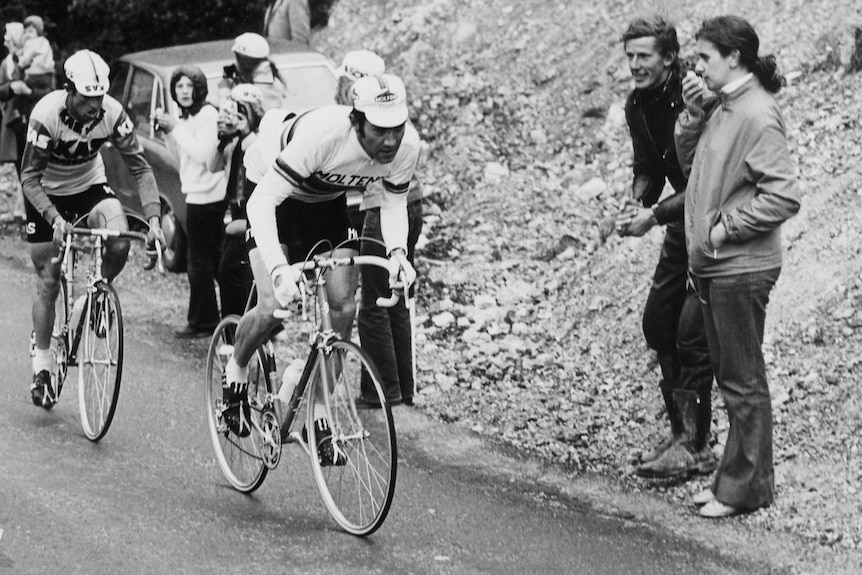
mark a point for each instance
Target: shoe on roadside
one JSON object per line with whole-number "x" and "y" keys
{"x": 675, "y": 462}
{"x": 237, "y": 413}
{"x": 192, "y": 332}
{"x": 703, "y": 497}
{"x": 657, "y": 451}
{"x": 715, "y": 509}
{"x": 328, "y": 452}
{"x": 41, "y": 390}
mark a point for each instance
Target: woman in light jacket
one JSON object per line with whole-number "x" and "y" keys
{"x": 193, "y": 138}
{"x": 742, "y": 186}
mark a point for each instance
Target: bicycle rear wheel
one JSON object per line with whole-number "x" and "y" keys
{"x": 100, "y": 361}
{"x": 242, "y": 459}
{"x": 358, "y": 493}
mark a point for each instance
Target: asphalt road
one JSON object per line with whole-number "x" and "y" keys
{"x": 149, "y": 498}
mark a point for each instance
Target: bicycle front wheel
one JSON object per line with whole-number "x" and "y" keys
{"x": 242, "y": 460}
{"x": 59, "y": 340}
{"x": 100, "y": 361}
{"x": 358, "y": 482}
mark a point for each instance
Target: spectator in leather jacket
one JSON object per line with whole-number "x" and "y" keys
{"x": 672, "y": 319}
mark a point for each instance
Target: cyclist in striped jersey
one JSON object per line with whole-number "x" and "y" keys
{"x": 329, "y": 151}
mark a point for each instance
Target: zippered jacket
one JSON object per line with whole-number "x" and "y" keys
{"x": 651, "y": 116}
{"x": 740, "y": 173}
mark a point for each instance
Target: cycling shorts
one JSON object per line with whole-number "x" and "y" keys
{"x": 302, "y": 225}
{"x": 70, "y": 207}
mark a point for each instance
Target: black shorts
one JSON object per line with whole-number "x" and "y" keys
{"x": 70, "y": 207}
{"x": 307, "y": 228}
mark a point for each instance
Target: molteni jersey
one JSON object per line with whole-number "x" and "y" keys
{"x": 322, "y": 160}
{"x": 62, "y": 157}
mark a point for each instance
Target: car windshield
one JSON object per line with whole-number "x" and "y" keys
{"x": 307, "y": 86}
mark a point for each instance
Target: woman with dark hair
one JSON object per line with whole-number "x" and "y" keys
{"x": 193, "y": 138}
{"x": 741, "y": 188}
{"x": 296, "y": 19}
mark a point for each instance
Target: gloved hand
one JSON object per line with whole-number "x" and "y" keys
{"x": 401, "y": 272}
{"x": 284, "y": 282}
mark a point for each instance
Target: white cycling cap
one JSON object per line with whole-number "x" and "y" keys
{"x": 383, "y": 100}
{"x": 251, "y": 45}
{"x": 359, "y": 63}
{"x": 88, "y": 72}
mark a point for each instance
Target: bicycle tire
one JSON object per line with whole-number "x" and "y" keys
{"x": 100, "y": 361}
{"x": 59, "y": 338}
{"x": 240, "y": 459}
{"x": 359, "y": 493}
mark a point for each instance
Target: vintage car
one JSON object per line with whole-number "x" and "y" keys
{"x": 141, "y": 81}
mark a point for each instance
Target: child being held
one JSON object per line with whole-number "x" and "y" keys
{"x": 36, "y": 56}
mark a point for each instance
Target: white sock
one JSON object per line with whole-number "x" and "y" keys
{"x": 234, "y": 373}
{"x": 43, "y": 360}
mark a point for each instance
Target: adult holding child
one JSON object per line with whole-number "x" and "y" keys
{"x": 742, "y": 187}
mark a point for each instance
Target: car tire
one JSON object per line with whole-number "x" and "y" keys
{"x": 175, "y": 252}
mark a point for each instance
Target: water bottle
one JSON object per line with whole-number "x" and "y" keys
{"x": 289, "y": 379}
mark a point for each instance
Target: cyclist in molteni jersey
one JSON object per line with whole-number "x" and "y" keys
{"x": 301, "y": 201}
{"x": 63, "y": 178}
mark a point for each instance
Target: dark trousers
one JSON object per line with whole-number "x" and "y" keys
{"x": 205, "y": 233}
{"x": 234, "y": 275}
{"x": 385, "y": 333}
{"x": 734, "y": 310}
{"x": 673, "y": 321}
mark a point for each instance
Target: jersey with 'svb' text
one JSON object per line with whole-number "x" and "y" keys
{"x": 61, "y": 157}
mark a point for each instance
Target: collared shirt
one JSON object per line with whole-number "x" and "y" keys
{"x": 731, "y": 87}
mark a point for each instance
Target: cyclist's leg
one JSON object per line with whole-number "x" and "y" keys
{"x": 257, "y": 322}
{"x": 341, "y": 291}
{"x": 47, "y": 288}
{"x": 108, "y": 213}
{"x": 253, "y": 328}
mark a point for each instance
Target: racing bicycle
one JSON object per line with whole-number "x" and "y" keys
{"x": 358, "y": 489}
{"x": 88, "y": 328}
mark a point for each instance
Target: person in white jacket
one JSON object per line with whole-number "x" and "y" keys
{"x": 193, "y": 137}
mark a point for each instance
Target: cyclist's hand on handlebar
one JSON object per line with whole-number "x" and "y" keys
{"x": 284, "y": 282}
{"x": 401, "y": 272}
{"x": 156, "y": 244}
{"x": 61, "y": 228}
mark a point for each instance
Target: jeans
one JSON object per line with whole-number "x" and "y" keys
{"x": 673, "y": 322}
{"x": 734, "y": 311}
{"x": 385, "y": 333}
{"x": 205, "y": 234}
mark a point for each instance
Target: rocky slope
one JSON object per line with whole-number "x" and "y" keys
{"x": 530, "y": 309}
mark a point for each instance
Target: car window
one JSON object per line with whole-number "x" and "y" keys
{"x": 117, "y": 80}
{"x": 140, "y": 103}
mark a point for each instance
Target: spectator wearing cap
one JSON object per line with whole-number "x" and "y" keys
{"x": 193, "y": 138}
{"x": 253, "y": 66}
{"x": 239, "y": 119}
{"x": 386, "y": 333}
{"x": 295, "y": 19}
